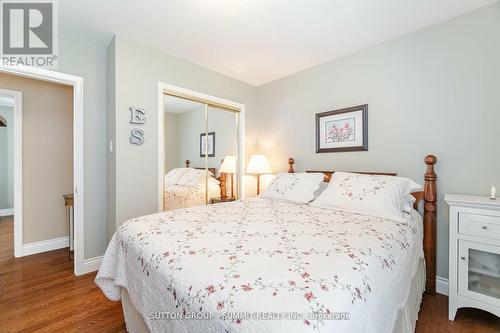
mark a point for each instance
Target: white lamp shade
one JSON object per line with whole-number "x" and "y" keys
{"x": 258, "y": 165}
{"x": 228, "y": 165}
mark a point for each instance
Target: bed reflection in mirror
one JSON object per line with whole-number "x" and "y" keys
{"x": 201, "y": 146}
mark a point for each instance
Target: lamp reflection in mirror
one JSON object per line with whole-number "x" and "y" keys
{"x": 258, "y": 165}
{"x": 229, "y": 166}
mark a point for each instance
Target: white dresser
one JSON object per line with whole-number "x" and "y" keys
{"x": 474, "y": 253}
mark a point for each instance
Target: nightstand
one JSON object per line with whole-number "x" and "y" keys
{"x": 222, "y": 199}
{"x": 474, "y": 253}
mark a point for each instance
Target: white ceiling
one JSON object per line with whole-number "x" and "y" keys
{"x": 256, "y": 41}
{"x": 178, "y": 105}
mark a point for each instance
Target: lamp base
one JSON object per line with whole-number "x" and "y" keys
{"x": 258, "y": 184}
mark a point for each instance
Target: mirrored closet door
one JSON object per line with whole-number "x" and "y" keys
{"x": 222, "y": 127}
{"x": 201, "y": 153}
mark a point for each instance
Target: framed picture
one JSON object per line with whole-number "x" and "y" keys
{"x": 207, "y": 144}
{"x": 342, "y": 130}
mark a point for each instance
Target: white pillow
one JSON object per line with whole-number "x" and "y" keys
{"x": 408, "y": 205}
{"x": 173, "y": 176}
{"x": 322, "y": 186}
{"x": 295, "y": 187}
{"x": 194, "y": 178}
{"x": 212, "y": 181}
{"x": 382, "y": 196}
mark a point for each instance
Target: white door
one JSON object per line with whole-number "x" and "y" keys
{"x": 479, "y": 272}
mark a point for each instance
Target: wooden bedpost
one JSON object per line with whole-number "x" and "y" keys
{"x": 291, "y": 161}
{"x": 187, "y": 163}
{"x": 430, "y": 197}
{"x": 222, "y": 180}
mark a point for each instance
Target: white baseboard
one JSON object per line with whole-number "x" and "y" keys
{"x": 46, "y": 245}
{"x": 441, "y": 285}
{"x": 7, "y": 212}
{"x": 91, "y": 264}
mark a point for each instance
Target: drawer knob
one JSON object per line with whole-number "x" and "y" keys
{"x": 484, "y": 227}
{"x": 462, "y": 257}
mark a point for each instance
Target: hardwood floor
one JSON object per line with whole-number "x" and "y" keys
{"x": 39, "y": 293}
{"x": 433, "y": 318}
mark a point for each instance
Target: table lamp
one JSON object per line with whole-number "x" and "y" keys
{"x": 229, "y": 166}
{"x": 258, "y": 165}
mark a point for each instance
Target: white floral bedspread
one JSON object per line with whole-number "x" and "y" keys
{"x": 260, "y": 258}
{"x": 177, "y": 196}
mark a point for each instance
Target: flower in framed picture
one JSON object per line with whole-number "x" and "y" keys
{"x": 342, "y": 130}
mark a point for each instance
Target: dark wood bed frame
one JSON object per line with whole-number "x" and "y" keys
{"x": 429, "y": 197}
{"x": 221, "y": 178}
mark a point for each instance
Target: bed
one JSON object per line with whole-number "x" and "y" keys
{"x": 247, "y": 265}
{"x": 178, "y": 196}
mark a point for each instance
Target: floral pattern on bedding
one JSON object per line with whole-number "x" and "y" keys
{"x": 263, "y": 255}
{"x": 284, "y": 183}
{"x": 373, "y": 185}
{"x": 177, "y": 196}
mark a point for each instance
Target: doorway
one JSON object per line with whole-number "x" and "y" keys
{"x": 76, "y": 168}
{"x": 7, "y": 105}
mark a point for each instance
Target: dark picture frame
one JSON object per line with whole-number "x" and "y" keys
{"x": 350, "y": 120}
{"x": 211, "y": 152}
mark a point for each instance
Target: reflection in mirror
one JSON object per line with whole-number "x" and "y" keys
{"x": 201, "y": 149}
{"x": 185, "y": 181}
{"x": 223, "y": 125}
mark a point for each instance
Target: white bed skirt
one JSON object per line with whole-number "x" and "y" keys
{"x": 405, "y": 321}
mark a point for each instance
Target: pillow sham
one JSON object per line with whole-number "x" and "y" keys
{"x": 322, "y": 186}
{"x": 195, "y": 178}
{"x": 408, "y": 206}
{"x": 174, "y": 175}
{"x": 295, "y": 187}
{"x": 212, "y": 181}
{"x": 381, "y": 196}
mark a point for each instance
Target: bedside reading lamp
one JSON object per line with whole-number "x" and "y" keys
{"x": 229, "y": 166}
{"x": 258, "y": 165}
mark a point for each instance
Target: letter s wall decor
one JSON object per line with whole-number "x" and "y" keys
{"x": 137, "y": 117}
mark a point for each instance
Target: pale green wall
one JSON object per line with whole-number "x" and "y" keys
{"x": 171, "y": 135}
{"x": 433, "y": 91}
{"x": 89, "y": 61}
{"x": 192, "y": 123}
{"x": 111, "y": 155}
{"x": 138, "y": 71}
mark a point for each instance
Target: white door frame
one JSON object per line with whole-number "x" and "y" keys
{"x": 164, "y": 87}
{"x": 78, "y": 177}
{"x": 18, "y": 181}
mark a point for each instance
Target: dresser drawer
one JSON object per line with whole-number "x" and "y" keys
{"x": 479, "y": 225}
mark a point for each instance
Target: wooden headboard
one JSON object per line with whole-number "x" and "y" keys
{"x": 221, "y": 178}
{"x": 429, "y": 197}
{"x": 187, "y": 164}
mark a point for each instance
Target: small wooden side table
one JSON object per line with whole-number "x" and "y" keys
{"x": 69, "y": 202}
{"x": 221, "y": 199}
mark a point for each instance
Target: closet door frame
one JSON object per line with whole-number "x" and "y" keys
{"x": 168, "y": 89}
